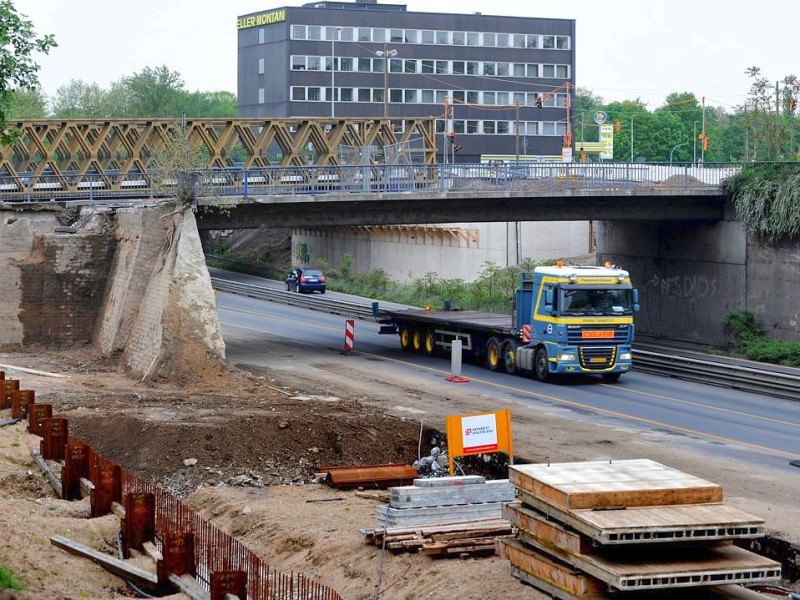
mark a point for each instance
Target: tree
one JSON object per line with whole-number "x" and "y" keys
{"x": 17, "y": 67}
{"x": 28, "y": 103}
{"x": 209, "y": 104}
{"x": 79, "y": 100}
{"x": 771, "y": 115}
{"x": 155, "y": 93}
{"x": 586, "y": 105}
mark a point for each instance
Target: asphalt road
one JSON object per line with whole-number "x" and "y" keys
{"x": 748, "y": 428}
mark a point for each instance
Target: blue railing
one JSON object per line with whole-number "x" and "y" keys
{"x": 370, "y": 179}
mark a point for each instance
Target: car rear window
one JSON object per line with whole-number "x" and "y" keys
{"x": 312, "y": 273}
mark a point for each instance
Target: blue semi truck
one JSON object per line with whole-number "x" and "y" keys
{"x": 568, "y": 320}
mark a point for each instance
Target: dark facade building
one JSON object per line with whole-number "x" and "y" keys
{"x": 497, "y": 85}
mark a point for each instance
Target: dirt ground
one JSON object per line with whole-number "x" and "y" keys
{"x": 259, "y": 435}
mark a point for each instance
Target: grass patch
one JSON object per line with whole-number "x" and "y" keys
{"x": 8, "y": 580}
{"x": 751, "y": 341}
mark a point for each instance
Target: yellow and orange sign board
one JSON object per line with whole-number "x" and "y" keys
{"x": 603, "y": 335}
{"x": 479, "y": 433}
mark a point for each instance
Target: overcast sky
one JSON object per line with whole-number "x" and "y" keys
{"x": 626, "y": 49}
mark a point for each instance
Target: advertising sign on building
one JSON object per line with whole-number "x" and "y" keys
{"x": 607, "y": 141}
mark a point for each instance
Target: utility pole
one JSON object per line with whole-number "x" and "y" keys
{"x": 516, "y": 129}
{"x": 703, "y": 145}
{"x": 631, "y": 138}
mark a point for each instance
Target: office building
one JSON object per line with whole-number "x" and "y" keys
{"x": 497, "y": 85}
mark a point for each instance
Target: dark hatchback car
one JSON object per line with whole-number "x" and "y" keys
{"x": 305, "y": 281}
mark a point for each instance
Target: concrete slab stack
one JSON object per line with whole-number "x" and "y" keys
{"x": 601, "y": 529}
{"x": 445, "y": 500}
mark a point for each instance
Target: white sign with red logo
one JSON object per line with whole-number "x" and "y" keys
{"x": 479, "y": 433}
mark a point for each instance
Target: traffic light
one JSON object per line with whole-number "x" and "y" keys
{"x": 705, "y": 143}
{"x": 456, "y": 148}
{"x": 618, "y": 125}
{"x": 538, "y": 102}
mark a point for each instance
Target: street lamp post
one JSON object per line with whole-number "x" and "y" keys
{"x": 675, "y": 148}
{"x": 386, "y": 54}
{"x": 694, "y": 142}
{"x": 334, "y": 31}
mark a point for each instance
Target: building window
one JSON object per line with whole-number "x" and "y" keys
{"x": 346, "y": 95}
{"x": 396, "y": 96}
{"x": 314, "y": 94}
{"x": 503, "y": 127}
{"x": 330, "y": 63}
{"x": 472, "y": 127}
{"x": 261, "y": 65}
{"x": 490, "y": 69}
{"x": 548, "y": 70}
{"x": 396, "y": 36}
{"x": 459, "y": 67}
{"x": 298, "y": 32}
{"x": 473, "y": 38}
{"x": 502, "y": 98}
{"x": 519, "y": 40}
{"x": 441, "y": 67}
{"x": 345, "y": 35}
{"x": 502, "y": 40}
{"x": 488, "y": 127}
{"x": 472, "y": 98}
{"x": 261, "y": 95}
{"x": 365, "y": 95}
{"x": 458, "y": 126}
{"x": 490, "y": 40}
{"x": 459, "y": 96}
{"x": 489, "y": 98}
{"x": 502, "y": 69}
{"x": 364, "y": 34}
{"x": 410, "y": 97}
{"x": 262, "y": 36}
{"x": 440, "y": 125}
{"x": 443, "y": 38}
{"x": 519, "y": 98}
{"x": 472, "y": 67}
{"x": 427, "y": 36}
{"x": 298, "y": 94}
{"x": 379, "y": 35}
{"x": 395, "y": 65}
{"x": 459, "y": 38}
{"x": 533, "y": 70}
{"x": 365, "y": 65}
{"x": 314, "y": 32}
{"x": 533, "y": 41}
{"x": 298, "y": 63}
{"x": 377, "y": 95}
{"x": 441, "y": 96}
{"x": 427, "y": 66}
{"x": 412, "y": 36}
{"x": 410, "y": 66}
{"x": 562, "y": 42}
{"x": 548, "y": 128}
{"x": 346, "y": 64}
{"x": 427, "y": 97}
{"x": 562, "y": 71}
{"x": 518, "y": 70}
{"x": 548, "y": 42}
{"x": 313, "y": 63}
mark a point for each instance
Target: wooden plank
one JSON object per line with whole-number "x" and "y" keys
{"x": 648, "y": 524}
{"x": 547, "y": 532}
{"x": 597, "y": 484}
{"x": 552, "y": 590}
{"x": 450, "y": 481}
{"x": 153, "y": 552}
{"x": 189, "y": 586}
{"x": 551, "y": 571}
{"x": 666, "y": 566}
{"x": 55, "y": 481}
{"x": 118, "y": 567}
{"x": 410, "y": 496}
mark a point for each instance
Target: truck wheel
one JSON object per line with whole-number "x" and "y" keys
{"x": 510, "y": 356}
{"x": 540, "y": 365}
{"x": 494, "y": 354}
{"x": 416, "y": 340}
{"x": 429, "y": 345}
{"x": 611, "y": 377}
{"x": 405, "y": 339}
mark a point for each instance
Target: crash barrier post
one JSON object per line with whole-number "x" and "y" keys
{"x": 37, "y": 413}
{"x": 76, "y": 465}
{"x": 178, "y": 555}
{"x": 107, "y": 486}
{"x": 139, "y": 524}
{"x": 56, "y": 436}
{"x": 9, "y": 387}
{"x": 21, "y": 400}
{"x": 228, "y": 582}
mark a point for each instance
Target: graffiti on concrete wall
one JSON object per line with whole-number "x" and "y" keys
{"x": 690, "y": 288}
{"x": 301, "y": 253}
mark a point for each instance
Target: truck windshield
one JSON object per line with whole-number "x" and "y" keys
{"x": 595, "y": 302}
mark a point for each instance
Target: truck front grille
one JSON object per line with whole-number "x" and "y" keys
{"x": 598, "y": 358}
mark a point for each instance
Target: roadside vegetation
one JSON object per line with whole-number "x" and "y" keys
{"x": 9, "y": 581}
{"x": 749, "y": 340}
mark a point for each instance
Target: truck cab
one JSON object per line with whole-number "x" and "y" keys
{"x": 576, "y": 320}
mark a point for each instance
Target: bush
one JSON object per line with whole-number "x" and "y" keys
{"x": 751, "y": 341}
{"x": 8, "y": 580}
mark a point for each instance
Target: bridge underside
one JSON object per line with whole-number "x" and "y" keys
{"x": 476, "y": 207}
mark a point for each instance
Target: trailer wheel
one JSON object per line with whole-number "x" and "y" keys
{"x": 416, "y": 340}
{"x": 540, "y": 365}
{"x": 429, "y": 344}
{"x": 405, "y": 338}
{"x": 611, "y": 377}
{"x": 510, "y": 356}
{"x": 494, "y": 354}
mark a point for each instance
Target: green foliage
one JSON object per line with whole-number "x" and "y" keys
{"x": 767, "y": 200}
{"x": 8, "y": 580}
{"x": 176, "y": 168}
{"x": 28, "y": 103}
{"x": 17, "y": 67}
{"x": 750, "y": 340}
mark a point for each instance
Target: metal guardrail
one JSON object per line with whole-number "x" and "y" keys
{"x": 370, "y": 179}
{"x": 749, "y": 379}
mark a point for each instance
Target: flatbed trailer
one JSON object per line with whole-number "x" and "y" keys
{"x": 567, "y": 320}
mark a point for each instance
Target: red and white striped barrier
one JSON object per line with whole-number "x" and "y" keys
{"x": 526, "y": 333}
{"x": 349, "y": 334}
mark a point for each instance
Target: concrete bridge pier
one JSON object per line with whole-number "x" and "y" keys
{"x": 691, "y": 274}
